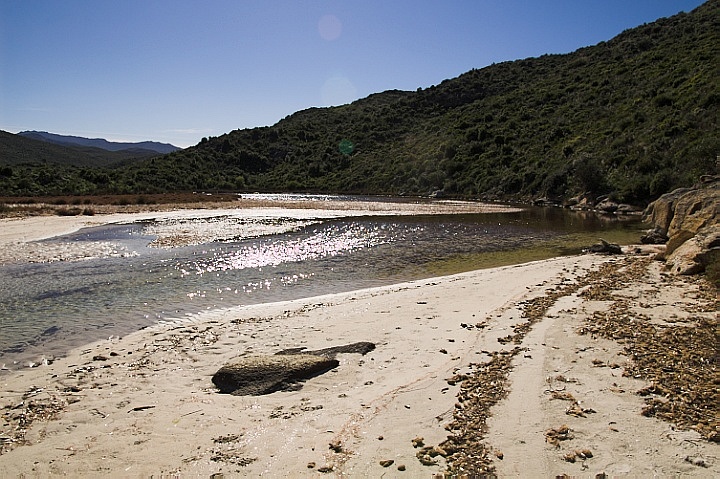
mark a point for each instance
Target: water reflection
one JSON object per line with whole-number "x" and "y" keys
{"x": 330, "y": 240}
{"x": 47, "y": 308}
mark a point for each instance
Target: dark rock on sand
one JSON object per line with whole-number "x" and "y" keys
{"x": 605, "y": 247}
{"x": 257, "y": 375}
{"x": 654, "y": 236}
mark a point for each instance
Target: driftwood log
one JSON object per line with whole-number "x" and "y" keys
{"x": 257, "y": 375}
{"x": 264, "y": 374}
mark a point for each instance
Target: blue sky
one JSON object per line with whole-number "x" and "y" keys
{"x": 178, "y": 70}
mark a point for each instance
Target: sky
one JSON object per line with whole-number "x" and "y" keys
{"x": 176, "y": 71}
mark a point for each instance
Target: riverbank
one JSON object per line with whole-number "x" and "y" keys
{"x": 523, "y": 370}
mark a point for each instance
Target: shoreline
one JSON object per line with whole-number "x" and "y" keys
{"x": 117, "y": 407}
{"x": 417, "y": 405}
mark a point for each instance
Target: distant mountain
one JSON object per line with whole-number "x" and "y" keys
{"x": 142, "y": 147}
{"x": 18, "y": 149}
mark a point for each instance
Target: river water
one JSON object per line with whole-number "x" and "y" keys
{"x": 47, "y": 308}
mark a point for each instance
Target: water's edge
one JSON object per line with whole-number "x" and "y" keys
{"x": 49, "y": 308}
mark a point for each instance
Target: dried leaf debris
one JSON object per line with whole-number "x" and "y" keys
{"x": 679, "y": 358}
{"x": 681, "y": 361}
{"x": 35, "y": 406}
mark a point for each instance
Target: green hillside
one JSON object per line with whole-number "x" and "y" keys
{"x": 34, "y": 167}
{"x": 632, "y": 117}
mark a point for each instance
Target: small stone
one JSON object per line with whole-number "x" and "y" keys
{"x": 401, "y": 467}
{"x": 418, "y": 442}
{"x": 336, "y": 446}
{"x": 584, "y": 453}
{"x": 387, "y": 463}
{"x": 426, "y": 460}
{"x": 311, "y": 465}
{"x": 696, "y": 461}
{"x": 438, "y": 451}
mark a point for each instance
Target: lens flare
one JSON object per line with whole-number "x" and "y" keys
{"x": 330, "y": 27}
{"x": 346, "y": 147}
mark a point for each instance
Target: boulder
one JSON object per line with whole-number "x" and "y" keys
{"x": 579, "y": 203}
{"x": 438, "y": 194}
{"x": 689, "y": 218}
{"x": 263, "y": 374}
{"x": 654, "y": 236}
{"x": 605, "y": 247}
{"x": 607, "y": 206}
{"x": 660, "y": 212}
{"x": 693, "y": 255}
{"x": 693, "y": 211}
{"x": 545, "y": 202}
{"x": 626, "y": 209}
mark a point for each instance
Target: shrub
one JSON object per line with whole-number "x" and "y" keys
{"x": 68, "y": 211}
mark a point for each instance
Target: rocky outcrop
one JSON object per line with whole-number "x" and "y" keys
{"x": 689, "y": 219}
{"x": 693, "y": 255}
{"x": 661, "y": 211}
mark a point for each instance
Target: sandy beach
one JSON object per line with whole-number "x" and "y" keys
{"x": 530, "y": 370}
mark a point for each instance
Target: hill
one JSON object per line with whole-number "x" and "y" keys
{"x": 33, "y": 166}
{"x": 19, "y": 149}
{"x": 147, "y": 148}
{"x": 632, "y": 118}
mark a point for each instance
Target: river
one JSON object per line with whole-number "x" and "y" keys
{"x": 47, "y": 308}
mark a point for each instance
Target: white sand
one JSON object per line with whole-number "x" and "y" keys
{"x": 147, "y": 408}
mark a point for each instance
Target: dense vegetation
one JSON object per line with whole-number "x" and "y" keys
{"x": 632, "y": 117}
